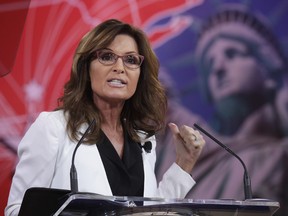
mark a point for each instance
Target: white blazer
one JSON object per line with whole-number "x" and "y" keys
{"x": 45, "y": 155}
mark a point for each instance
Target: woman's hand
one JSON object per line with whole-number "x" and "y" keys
{"x": 188, "y": 143}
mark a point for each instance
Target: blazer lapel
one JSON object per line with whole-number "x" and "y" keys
{"x": 93, "y": 179}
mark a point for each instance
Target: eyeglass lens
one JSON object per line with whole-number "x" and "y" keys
{"x": 109, "y": 58}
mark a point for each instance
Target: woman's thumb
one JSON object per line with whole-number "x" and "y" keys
{"x": 174, "y": 129}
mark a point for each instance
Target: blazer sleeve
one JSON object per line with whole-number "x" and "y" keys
{"x": 37, "y": 154}
{"x": 176, "y": 183}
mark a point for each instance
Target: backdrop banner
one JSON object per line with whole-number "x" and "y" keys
{"x": 223, "y": 63}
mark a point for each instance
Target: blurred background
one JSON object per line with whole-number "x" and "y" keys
{"x": 223, "y": 64}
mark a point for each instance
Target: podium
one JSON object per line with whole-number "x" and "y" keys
{"x": 56, "y": 202}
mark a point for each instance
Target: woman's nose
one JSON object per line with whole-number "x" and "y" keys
{"x": 119, "y": 66}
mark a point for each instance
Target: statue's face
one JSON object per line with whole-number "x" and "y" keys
{"x": 232, "y": 69}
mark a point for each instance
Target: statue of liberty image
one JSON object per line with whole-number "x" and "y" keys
{"x": 243, "y": 73}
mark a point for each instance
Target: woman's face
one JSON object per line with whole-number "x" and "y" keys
{"x": 232, "y": 70}
{"x": 115, "y": 83}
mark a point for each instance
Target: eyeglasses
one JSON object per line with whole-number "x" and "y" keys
{"x": 131, "y": 61}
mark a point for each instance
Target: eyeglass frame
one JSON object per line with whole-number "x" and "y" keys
{"x": 117, "y": 57}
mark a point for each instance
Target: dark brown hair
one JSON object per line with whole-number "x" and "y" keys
{"x": 144, "y": 111}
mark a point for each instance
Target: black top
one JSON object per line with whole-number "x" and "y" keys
{"x": 126, "y": 176}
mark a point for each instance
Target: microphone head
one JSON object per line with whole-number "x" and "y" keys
{"x": 147, "y": 146}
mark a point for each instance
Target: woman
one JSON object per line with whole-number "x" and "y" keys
{"x": 114, "y": 80}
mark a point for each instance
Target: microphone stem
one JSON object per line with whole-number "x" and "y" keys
{"x": 247, "y": 181}
{"x": 73, "y": 172}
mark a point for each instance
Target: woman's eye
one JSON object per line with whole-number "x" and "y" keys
{"x": 107, "y": 56}
{"x": 131, "y": 59}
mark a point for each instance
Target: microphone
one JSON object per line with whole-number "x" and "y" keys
{"x": 73, "y": 172}
{"x": 147, "y": 146}
{"x": 247, "y": 181}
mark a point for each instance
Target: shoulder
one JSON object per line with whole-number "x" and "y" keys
{"x": 52, "y": 115}
{"x": 48, "y": 124}
{"x": 44, "y": 136}
{"x": 54, "y": 118}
